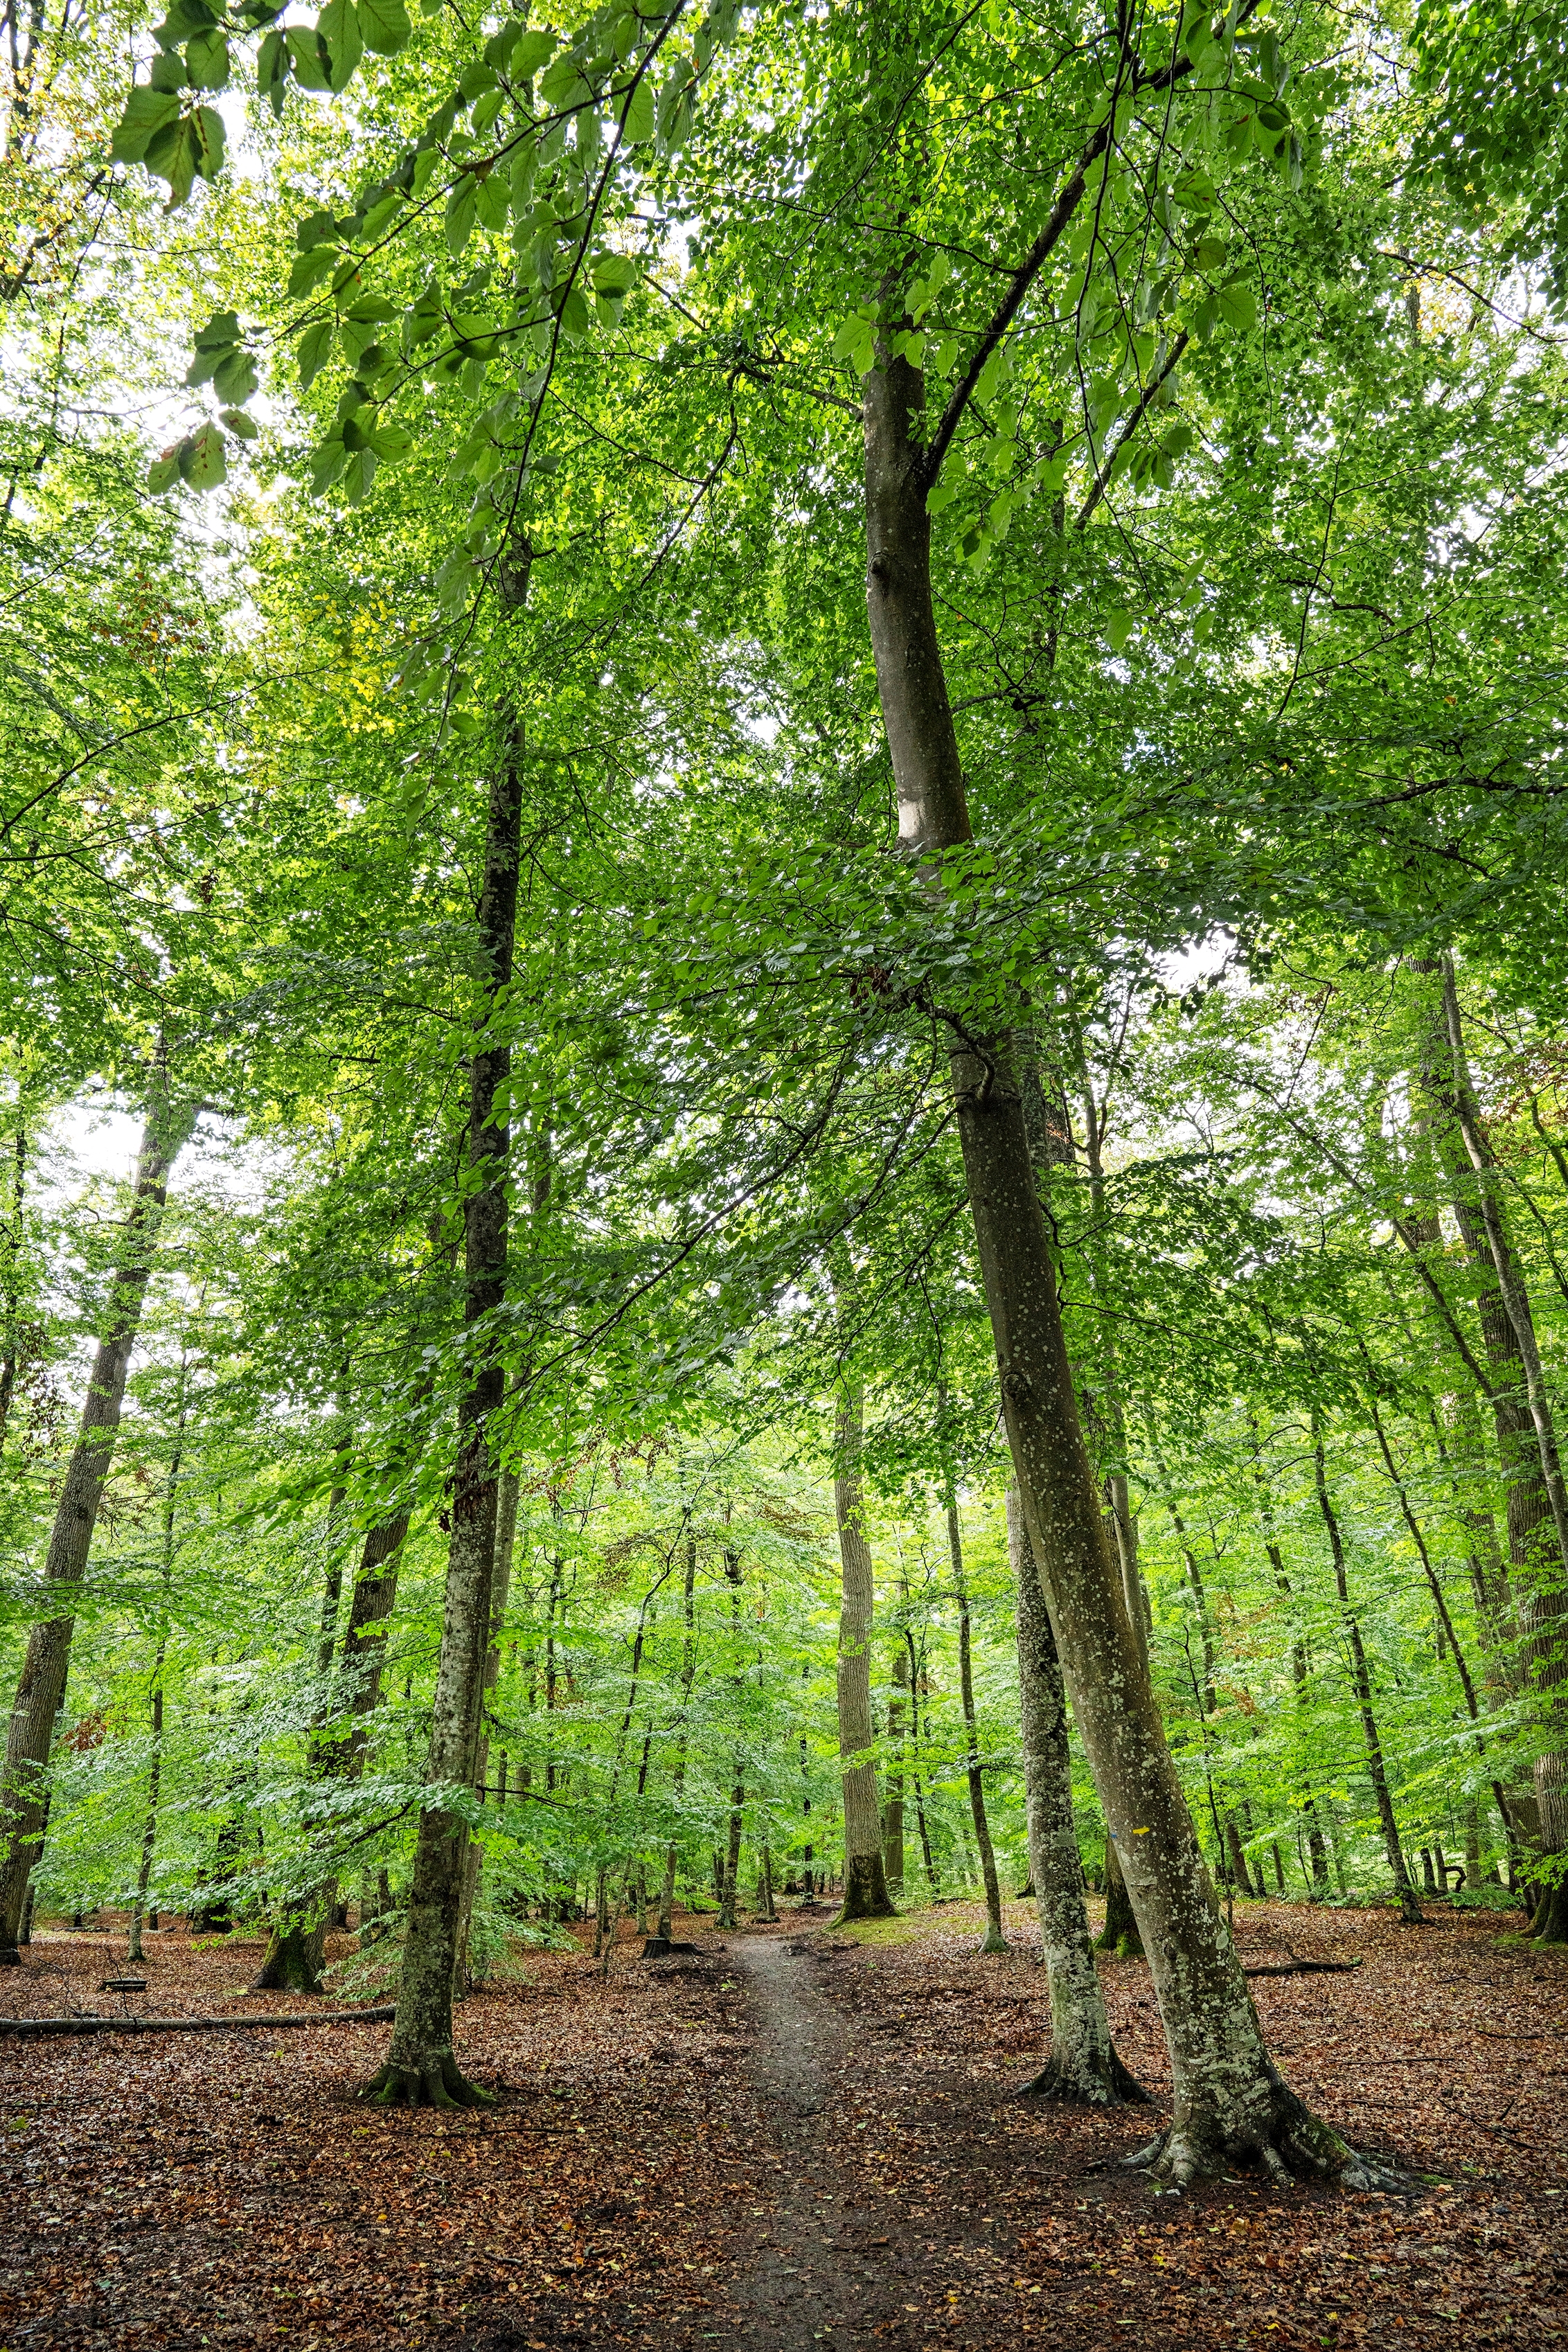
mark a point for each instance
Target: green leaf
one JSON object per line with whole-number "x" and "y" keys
{"x": 310, "y": 57}
{"x": 163, "y": 472}
{"x": 384, "y": 26}
{"x": 311, "y": 269}
{"x": 530, "y": 53}
{"x": 563, "y": 86}
{"x": 575, "y": 320}
{"x": 272, "y": 70}
{"x": 246, "y": 427}
{"x": 206, "y": 135}
{"x": 1238, "y": 307}
{"x": 202, "y": 461}
{"x": 1117, "y": 629}
{"x": 220, "y": 334}
{"x": 338, "y": 26}
{"x": 943, "y": 494}
{"x": 206, "y": 60}
{"x": 147, "y": 112}
{"x": 236, "y": 377}
{"x": 614, "y": 273}
{"x": 392, "y": 444}
{"x": 315, "y": 350}
{"x": 857, "y": 342}
{"x": 640, "y": 114}
{"x": 327, "y": 463}
{"x": 494, "y": 201}
{"x": 460, "y": 207}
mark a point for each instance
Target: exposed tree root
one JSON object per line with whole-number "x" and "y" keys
{"x": 1086, "y": 2084}
{"x": 436, "y": 2082}
{"x": 991, "y": 1942}
{"x": 1286, "y": 2140}
{"x": 1550, "y": 1923}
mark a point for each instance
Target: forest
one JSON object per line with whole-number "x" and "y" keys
{"x": 783, "y": 1167}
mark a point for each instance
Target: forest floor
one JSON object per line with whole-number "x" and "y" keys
{"x": 788, "y": 2137}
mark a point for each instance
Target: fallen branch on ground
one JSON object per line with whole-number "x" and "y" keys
{"x": 33, "y": 2026}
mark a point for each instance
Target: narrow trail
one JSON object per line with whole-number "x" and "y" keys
{"x": 813, "y": 2273}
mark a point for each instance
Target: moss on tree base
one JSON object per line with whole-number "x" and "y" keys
{"x": 435, "y": 2081}
{"x": 1086, "y": 2084}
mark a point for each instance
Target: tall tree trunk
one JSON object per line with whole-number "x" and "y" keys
{"x": 1229, "y": 2100}
{"x": 420, "y": 2064}
{"x": 994, "y": 1939}
{"x": 865, "y": 1886}
{"x": 501, "y": 1595}
{"x": 41, "y": 1689}
{"x": 1410, "y": 1910}
{"x": 893, "y": 1804}
{"x": 16, "y": 1230}
{"x": 677, "y": 1777}
{"x": 155, "y": 1765}
{"x": 1317, "y": 1851}
{"x": 1083, "y": 2064}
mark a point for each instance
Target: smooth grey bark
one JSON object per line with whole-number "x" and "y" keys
{"x": 1082, "y": 2062}
{"x": 41, "y": 1687}
{"x": 420, "y": 2065}
{"x": 864, "y": 1886}
{"x": 994, "y": 1940}
{"x": 1229, "y": 2101}
{"x": 15, "y": 1229}
{"x": 1410, "y": 1910}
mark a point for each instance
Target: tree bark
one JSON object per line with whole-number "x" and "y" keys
{"x": 1083, "y": 2064}
{"x": 420, "y": 2064}
{"x": 994, "y": 1939}
{"x": 1229, "y": 2101}
{"x": 864, "y": 1886}
{"x": 41, "y": 1687}
{"x": 1410, "y": 1910}
{"x": 1545, "y": 1595}
{"x": 677, "y": 1777}
{"x": 893, "y": 1805}
{"x": 500, "y": 1594}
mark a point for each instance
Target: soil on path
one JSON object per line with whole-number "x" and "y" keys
{"x": 782, "y": 2138}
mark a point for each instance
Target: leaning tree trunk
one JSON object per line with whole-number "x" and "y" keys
{"x": 1545, "y": 1596}
{"x": 994, "y": 1939}
{"x": 41, "y": 1689}
{"x": 864, "y": 1885}
{"x": 420, "y": 2064}
{"x": 1229, "y": 2101}
{"x": 1083, "y": 2064}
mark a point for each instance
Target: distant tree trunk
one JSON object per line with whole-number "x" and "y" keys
{"x": 15, "y": 1237}
{"x": 893, "y": 1804}
{"x": 420, "y": 2064}
{"x": 677, "y": 1777}
{"x": 1316, "y": 1850}
{"x": 155, "y": 1766}
{"x": 41, "y": 1687}
{"x": 865, "y": 1886}
{"x": 1410, "y": 1910}
{"x": 1083, "y": 2064}
{"x": 994, "y": 1939}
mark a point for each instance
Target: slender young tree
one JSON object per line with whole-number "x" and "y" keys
{"x": 41, "y": 1687}
{"x": 420, "y": 2065}
{"x": 866, "y": 1893}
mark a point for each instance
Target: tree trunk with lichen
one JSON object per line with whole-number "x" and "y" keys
{"x": 1082, "y": 2063}
{"x": 421, "y": 2066}
{"x": 1230, "y": 2102}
